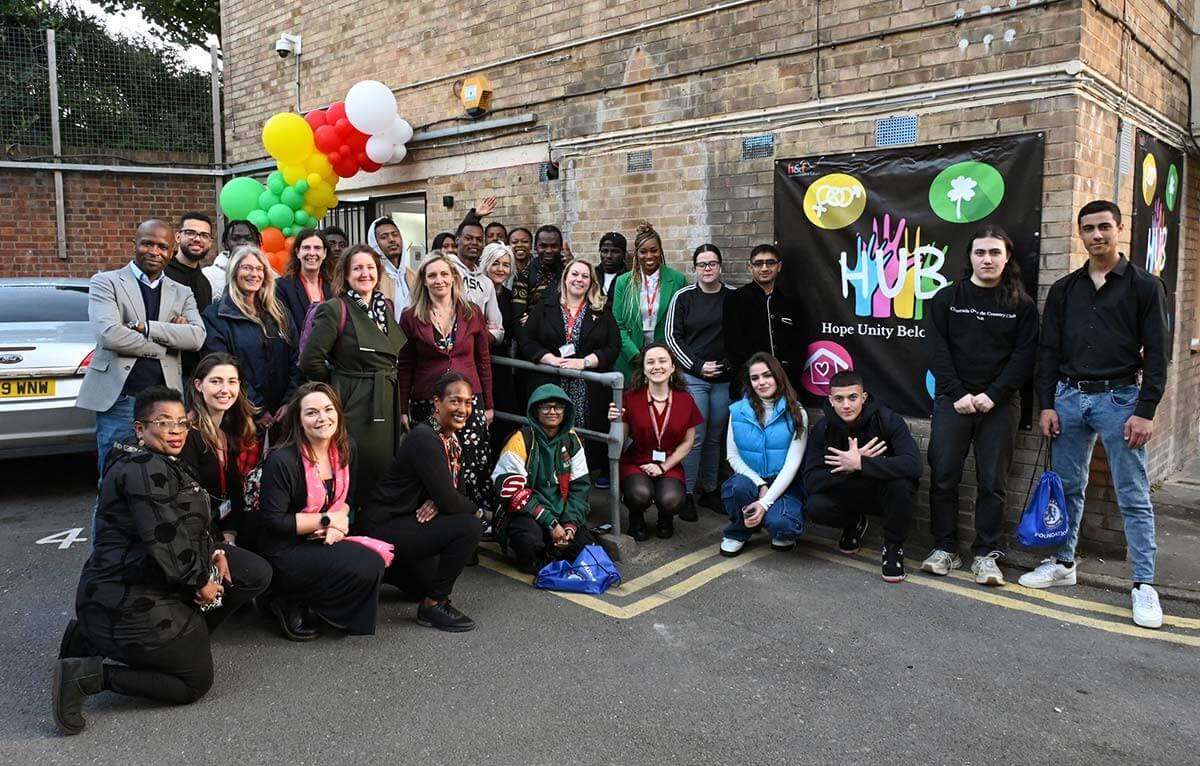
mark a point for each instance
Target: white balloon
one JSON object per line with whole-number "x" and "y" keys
{"x": 399, "y": 153}
{"x": 400, "y": 131}
{"x": 371, "y": 107}
{"x": 379, "y": 149}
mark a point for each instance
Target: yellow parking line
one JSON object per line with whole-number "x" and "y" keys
{"x": 663, "y": 572}
{"x": 989, "y": 597}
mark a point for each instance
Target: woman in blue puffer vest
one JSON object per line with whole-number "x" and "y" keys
{"x": 768, "y": 429}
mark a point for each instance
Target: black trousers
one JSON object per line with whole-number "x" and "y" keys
{"x": 530, "y": 542}
{"x": 666, "y": 493}
{"x": 340, "y": 582}
{"x": 951, "y": 435}
{"x": 181, "y": 671}
{"x": 842, "y": 504}
{"x": 430, "y": 556}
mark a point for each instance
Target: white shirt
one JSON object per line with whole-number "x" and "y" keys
{"x": 140, "y": 276}
{"x": 402, "y": 294}
{"x": 649, "y": 287}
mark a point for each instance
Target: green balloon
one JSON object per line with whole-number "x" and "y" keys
{"x": 301, "y": 186}
{"x": 268, "y": 199}
{"x": 293, "y": 230}
{"x": 276, "y": 182}
{"x": 280, "y": 215}
{"x": 292, "y": 198}
{"x": 239, "y": 197}
{"x": 259, "y": 218}
{"x": 303, "y": 218}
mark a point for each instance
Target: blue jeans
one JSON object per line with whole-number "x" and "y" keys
{"x": 113, "y": 425}
{"x": 1083, "y": 417}
{"x": 784, "y": 519}
{"x": 701, "y": 464}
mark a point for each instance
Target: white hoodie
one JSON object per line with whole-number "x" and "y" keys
{"x": 216, "y": 274}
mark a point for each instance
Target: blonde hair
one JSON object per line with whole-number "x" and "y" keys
{"x": 594, "y": 297}
{"x": 265, "y": 301}
{"x": 422, "y": 301}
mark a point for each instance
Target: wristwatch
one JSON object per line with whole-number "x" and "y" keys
{"x": 324, "y": 520}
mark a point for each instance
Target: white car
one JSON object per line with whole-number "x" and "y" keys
{"x": 46, "y": 343}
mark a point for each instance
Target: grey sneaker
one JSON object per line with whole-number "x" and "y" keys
{"x": 940, "y": 562}
{"x": 986, "y": 571}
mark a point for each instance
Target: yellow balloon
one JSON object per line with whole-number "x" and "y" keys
{"x": 292, "y": 173}
{"x": 313, "y": 179}
{"x": 318, "y": 163}
{"x": 288, "y": 138}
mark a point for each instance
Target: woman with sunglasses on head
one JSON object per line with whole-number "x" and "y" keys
{"x": 421, "y": 507}
{"x": 660, "y": 419}
{"x": 157, "y": 582}
{"x": 640, "y": 297}
{"x": 252, "y": 324}
{"x": 308, "y": 489}
{"x": 353, "y": 345}
{"x": 222, "y": 446}
{"x": 309, "y": 280}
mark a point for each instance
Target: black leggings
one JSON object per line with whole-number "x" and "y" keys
{"x": 667, "y": 494}
{"x": 429, "y": 556}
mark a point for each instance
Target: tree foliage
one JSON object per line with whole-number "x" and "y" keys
{"x": 187, "y": 22}
{"x": 115, "y": 94}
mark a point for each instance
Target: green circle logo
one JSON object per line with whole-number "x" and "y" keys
{"x": 1171, "y": 190}
{"x": 966, "y": 192}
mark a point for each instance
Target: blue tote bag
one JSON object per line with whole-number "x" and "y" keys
{"x": 592, "y": 572}
{"x": 1044, "y": 522}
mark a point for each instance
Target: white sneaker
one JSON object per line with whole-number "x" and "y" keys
{"x": 1049, "y": 574}
{"x": 987, "y": 572}
{"x": 1147, "y": 612}
{"x": 731, "y": 547}
{"x": 782, "y": 543}
{"x": 940, "y": 563}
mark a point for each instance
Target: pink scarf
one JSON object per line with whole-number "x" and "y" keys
{"x": 316, "y": 499}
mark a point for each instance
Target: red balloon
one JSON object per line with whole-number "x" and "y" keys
{"x": 358, "y": 141}
{"x": 272, "y": 240}
{"x": 371, "y": 166}
{"x": 344, "y": 128}
{"x": 315, "y": 118}
{"x": 345, "y": 167}
{"x": 362, "y": 159}
{"x": 335, "y": 112}
{"x": 326, "y": 139}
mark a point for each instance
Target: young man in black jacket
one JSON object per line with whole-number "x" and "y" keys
{"x": 861, "y": 455}
{"x": 761, "y": 316}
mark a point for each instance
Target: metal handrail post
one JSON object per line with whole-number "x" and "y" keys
{"x": 614, "y": 438}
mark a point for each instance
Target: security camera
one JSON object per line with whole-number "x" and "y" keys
{"x": 287, "y": 44}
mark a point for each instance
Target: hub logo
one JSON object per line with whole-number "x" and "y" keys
{"x": 825, "y": 359}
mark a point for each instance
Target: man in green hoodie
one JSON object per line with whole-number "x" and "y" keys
{"x": 542, "y": 478}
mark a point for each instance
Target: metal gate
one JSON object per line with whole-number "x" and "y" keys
{"x": 353, "y": 218}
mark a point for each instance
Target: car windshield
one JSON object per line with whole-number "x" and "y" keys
{"x": 43, "y": 303}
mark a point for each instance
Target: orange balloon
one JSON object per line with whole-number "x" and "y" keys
{"x": 272, "y": 240}
{"x": 279, "y": 260}
{"x": 287, "y": 244}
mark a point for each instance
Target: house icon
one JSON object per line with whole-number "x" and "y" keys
{"x": 822, "y": 365}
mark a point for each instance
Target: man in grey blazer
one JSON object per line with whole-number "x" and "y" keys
{"x": 142, "y": 321}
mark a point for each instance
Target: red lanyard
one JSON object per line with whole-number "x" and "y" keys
{"x": 652, "y": 299}
{"x": 572, "y": 316}
{"x": 666, "y": 417}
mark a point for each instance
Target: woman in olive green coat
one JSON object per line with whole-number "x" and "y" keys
{"x": 353, "y": 346}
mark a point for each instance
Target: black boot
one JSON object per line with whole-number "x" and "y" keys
{"x": 688, "y": 511}
{"x": 711, "y": 499}
{"x": 291, "y": 622}
{"x": 637, "y": 527}
{"x": 74, "y": 680}
{"x": 666, "y": 526}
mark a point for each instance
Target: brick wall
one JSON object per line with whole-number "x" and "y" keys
{"x": 102, "y": 212}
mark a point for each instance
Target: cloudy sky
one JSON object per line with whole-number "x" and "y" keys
{"x": 131, "y": 24}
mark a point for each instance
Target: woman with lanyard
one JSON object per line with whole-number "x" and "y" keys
{"x": 449, "y": 334}
{"x": 660, "y": 418}
{"x": 420, "y": 508}
{"x": 222, "y": 445}
{"x": 640, "y": 297}
{"x": 353, "y": 345}
{"x": 495, "y": 263}
{"x": 309, "y": 279}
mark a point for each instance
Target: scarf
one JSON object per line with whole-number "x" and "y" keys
{"x": 453, "y": 449}
{"x": 376, "y": 310}
{"x": 318, "y": 500}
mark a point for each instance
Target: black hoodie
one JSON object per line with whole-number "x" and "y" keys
{"x": 901, "y": 461}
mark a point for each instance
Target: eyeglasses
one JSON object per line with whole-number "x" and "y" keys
{"x": 769, "y": 263}
{"x": 552, "y": 407}
{"x": 169, "y": 426}
{"x": 192, "y": 234}
{"x": 706, "y": 265}
{"x": 248, "y": 269}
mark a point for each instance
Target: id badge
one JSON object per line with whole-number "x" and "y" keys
{"x": 224, "y": 509}
{"x": 566, "y": 350}
{"x": 658, "y": 456}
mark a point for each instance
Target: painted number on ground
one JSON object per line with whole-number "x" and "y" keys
{"x": 65, "y": 539}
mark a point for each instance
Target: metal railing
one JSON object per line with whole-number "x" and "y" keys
{"x": 615, "y": 438}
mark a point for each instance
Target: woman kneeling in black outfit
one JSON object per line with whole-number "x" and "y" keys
{"x": 418, "y": 508}
{"x": 157, "y": 582}
{"x": 307, "y": 487}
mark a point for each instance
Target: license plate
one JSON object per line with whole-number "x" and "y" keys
{"x": 33, "y": 387}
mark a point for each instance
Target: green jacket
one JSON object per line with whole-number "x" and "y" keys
{"x": 626, "y": 309}
{"x": 543, "y": 477}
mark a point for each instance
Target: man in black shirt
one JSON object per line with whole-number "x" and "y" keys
{"x": 760, "y": 316}
{"x": 614, "y": 251}
{"x": 193, "y": 240}
{"x": 1103, "y": 325}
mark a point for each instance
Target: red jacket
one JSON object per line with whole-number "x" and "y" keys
{"x": 421, "y": 362}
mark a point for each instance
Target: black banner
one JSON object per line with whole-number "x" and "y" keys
{"x": 868, "y": 238}
{"x": 1157, "y": 196}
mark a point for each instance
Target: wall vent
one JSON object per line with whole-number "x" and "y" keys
{"x": 639, "y": 162}
{"x": 756, "y": 147}
{"x": 896, "y": 131}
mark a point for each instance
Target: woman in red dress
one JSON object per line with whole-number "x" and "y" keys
{"x": 660, "y": 417}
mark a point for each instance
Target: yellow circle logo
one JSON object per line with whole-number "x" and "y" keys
{"x": 834, "y": 201}
{"x": 1149, "y": 178}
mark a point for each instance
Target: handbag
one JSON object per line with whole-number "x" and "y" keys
{"x": 592, "y": 572}
{"x": 1044, "y": 522}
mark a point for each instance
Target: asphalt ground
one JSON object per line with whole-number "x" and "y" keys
{"x": 804, "y": 656}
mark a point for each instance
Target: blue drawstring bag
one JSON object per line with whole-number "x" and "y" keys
{"x": 592, "y": 572}
{"x": 1044, "y": 522}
